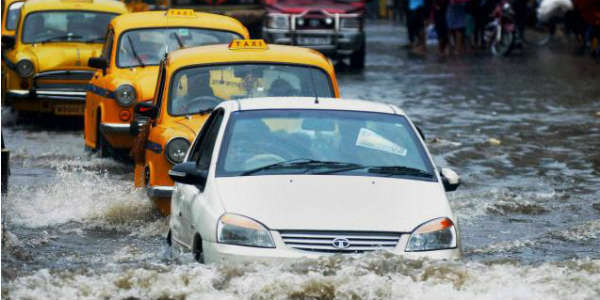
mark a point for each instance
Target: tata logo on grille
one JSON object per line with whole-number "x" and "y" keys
{"x": 341, "y": 243}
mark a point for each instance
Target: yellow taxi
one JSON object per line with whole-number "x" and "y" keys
{"x": 193, "y": 81}
{"x": 128, "y": 66}
{"x": 46, "y": 60}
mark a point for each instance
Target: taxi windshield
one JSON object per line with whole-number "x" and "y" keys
{"x": 198, "y": 89}
{"x": 142, "y": 47}
{"x": 66, "y": 26}
{"x": 296, "y": 141}
{"x": 12, "y": 15}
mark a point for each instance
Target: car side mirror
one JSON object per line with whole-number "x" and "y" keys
{"x": 188, "y": 173}
{"x": 98, "y": 63}
{"x": 146, "y": 109}
{"x": 450, "y": 179}
{"x": 8, "y": 42}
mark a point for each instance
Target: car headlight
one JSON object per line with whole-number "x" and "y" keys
{"x": 278, "y": 21}
{"x": 353, "y": 23}
{"x": 125, "y": 95}
{"x": 176, "y": 150}
{"x": 434, "y": 235}
{"x": 238, "y": 230}
{"x": 25, "y": 68}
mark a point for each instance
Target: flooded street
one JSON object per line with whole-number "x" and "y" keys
{"x": 523, "y": 132}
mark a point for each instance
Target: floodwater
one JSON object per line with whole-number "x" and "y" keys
{"x": 523, "y": 131}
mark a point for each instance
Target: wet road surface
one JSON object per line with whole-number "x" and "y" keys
{"x": 523, "y": 132}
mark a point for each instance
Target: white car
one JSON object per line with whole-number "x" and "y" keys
{"x": 285, "y": 178}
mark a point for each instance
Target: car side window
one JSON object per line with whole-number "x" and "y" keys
{"x": 206, "y": 144}
{"x": 107, "y": 50}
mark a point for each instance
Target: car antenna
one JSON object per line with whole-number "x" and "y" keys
{"x": 312, "y": 79}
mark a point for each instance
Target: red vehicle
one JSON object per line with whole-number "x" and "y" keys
{"x": 333, "y": 27}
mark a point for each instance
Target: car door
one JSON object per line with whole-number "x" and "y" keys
{"x": 97, "y": 87}
{"x": 188, "y": 195}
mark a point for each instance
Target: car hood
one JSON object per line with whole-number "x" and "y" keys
{"x": 328, "y": 202}
{"x": 299, "y": 6}
{"x": 144, "y": 80}
{"x": 63, "y": 56}
{"x": 189, "y": 127}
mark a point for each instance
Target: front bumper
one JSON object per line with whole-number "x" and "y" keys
{"x": 158, "y": 191}
{"x": 75, "y": 96}
{"x": 335, "y": 43}
{"x": 223, "y": 253}
{"x": 115, "y": 128}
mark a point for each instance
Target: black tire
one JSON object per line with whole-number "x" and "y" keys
{"x": 357, "y": 59}
{"x": 504, "y": 46}
{"x": 102, "y": 147}
{"x": 197, "y": 249}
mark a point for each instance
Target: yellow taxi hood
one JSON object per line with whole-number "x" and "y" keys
{"x": 61, "y": 56}
{"x": 143, "y": 79}
{"x": 191, "y": 125}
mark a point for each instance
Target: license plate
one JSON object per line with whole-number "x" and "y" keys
{"x": 314, "y": 40}
{"x": 68, "y": 109}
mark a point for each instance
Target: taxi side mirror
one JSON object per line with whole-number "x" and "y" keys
{"x": 450, "y": 179}
{"x": 98, "y": 63}
{"x": 146, "y": 109}
{"x": 188, "y": 173}
{"x": 8, "y": 42}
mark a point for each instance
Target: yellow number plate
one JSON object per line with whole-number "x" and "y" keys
{"x": 69, "y": 109}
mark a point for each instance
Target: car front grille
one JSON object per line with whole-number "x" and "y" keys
{"x": 65, "y": 80}
{"x": 340, "y": 241}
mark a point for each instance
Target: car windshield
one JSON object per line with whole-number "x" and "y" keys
{"x": 322, "y": 142}
{"x": 143, "y": 47}
{"x": 12, "y": 16}
{"x": 66, "y": 26}
{"x": 198, "y": 89}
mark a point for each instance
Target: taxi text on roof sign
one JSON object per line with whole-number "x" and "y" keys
{"x": 247, "y": 44}
{"x": 181, "y": 13}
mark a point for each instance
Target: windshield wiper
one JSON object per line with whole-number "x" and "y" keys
{"x": 201, "y": 112}
{"x": 60, "y": 38}
{"x": 94, "y": 40}
{"x": 399, "y": 170}
{"x": 137, "y": 57}
{"x": 302, "y": 163}
{"x": 179, "y": 41}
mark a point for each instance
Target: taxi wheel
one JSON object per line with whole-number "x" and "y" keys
{"x": 102, "y": 147}
{"x": 357, "y": 59}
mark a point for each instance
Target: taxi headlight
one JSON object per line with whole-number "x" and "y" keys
{"x": 434, "y": 235}
{"x": 176, "y": 150}
{"x": 125, "y": 95}
{"x": 278, "y": 21}
{"x": 238, "y": 230}
{"x": 352, "y": 23}
{"x": 25, "y": 68}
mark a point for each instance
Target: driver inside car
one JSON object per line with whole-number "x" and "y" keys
{"x": 191, "y": 92}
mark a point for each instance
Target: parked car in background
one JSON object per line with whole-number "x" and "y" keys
{"x": 249, "y": 12}
{"x": 335, "y": 28}
{"x": 287, "y": 178}
{"x": 193, "y": 81}
{"x": 46, "y": 60}
{"x": 127, "y": 68}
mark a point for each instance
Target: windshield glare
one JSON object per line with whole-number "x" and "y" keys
{"x": 197, "y": 89}
{"x": 151, "y": 44}
{"x": 65, "y": 26}
{"x": 255, "y": 139}
{"x": 13, "y": 14}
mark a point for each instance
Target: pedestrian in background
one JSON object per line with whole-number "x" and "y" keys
{"x": 416, "y": 20}
{"x": 456, "y": 15}
{"x": 439, "y": 8}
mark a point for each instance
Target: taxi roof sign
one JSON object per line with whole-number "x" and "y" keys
{"x": 247, "y": 44}
{"x": 181, "y": 13}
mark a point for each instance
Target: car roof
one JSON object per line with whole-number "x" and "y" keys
{"x": 310, "y": 103}
{"x": 221, "y": 53}
{"x": 152, "y": 19}
{"x": 89, "y": 5}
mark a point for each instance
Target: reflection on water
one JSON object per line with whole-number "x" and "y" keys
{"x": 522, "y": 132}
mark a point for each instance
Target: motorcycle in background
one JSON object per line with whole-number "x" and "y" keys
{"x": 500, "y": 33}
